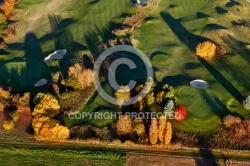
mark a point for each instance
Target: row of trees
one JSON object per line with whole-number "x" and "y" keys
{"x": 159, "y": 131}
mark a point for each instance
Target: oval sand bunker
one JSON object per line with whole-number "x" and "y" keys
{"x": 199, "y": 84}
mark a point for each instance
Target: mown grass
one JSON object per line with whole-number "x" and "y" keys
{"x": 176, "y": 64}
{"x": 22, "y": 156}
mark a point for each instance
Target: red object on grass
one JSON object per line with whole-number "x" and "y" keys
{"x": 180, "y": 113}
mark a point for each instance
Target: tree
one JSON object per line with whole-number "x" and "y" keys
{"x": 122, "y": 95}
{"x": 9, "y": 125}
{"x": 123, "y": 125}
{"x": 206, "y": 49}
{"x": 162, "y": 125}
{"x": 230, "y": 120}
{"x": 153, "y": 131}
{"x": 138, "y": 132}
{"x": 168, "y": 133}
{"x": 84, "y": 76}
{"x": 139, "y": 104}
{"x": 149, "y": 98}
{"x": 4, "y": 95}
{"x": 246, "y": 102}
{"x": 180, "y": 113}
{"x": 46, "y": 104}
{"x": 169, "y": 108}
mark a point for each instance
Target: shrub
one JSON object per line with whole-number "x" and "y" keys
{"x": 246, "y": 102}
{"x": 168, "y": 133}
{"x": 206, "y": 49}
{"x": 153, "y": 131}
{"x": 180, "y": 113}
{"x": 123, "y": 125}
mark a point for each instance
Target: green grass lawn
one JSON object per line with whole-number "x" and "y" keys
{"x": 165, "y": 36}
{"x": 16, "y": 156}
{"x": 162, "y": 39}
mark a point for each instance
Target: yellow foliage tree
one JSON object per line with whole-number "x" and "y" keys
{"x": 9, "y": 125}
{"x": 122, "y": 95}
{"x": 168, "y": 133}
{"x": 46, "y": 105}
{"x": 4, "y": 95}
{"x": 153, "y": 131}
{"x": 60, "y": 132}
{"x": 162, "y": 125}
{"x": 206, "y": 49}
{"x": 139, "y": 104}
{"x": 37, "y": 122}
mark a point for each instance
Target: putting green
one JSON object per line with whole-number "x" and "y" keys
{"x": 204, "y": 109}
{"x": 200, "y": 103}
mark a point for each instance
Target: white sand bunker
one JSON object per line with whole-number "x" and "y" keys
{"x": 199, "y": 84}
{"x": 41, "y": 82}
{"x": 58, "y": 54}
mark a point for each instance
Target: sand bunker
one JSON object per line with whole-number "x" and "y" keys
{"x": 58, "y": 54}
{"x": 199, "y": 84}
{"x": 41, "y": 82}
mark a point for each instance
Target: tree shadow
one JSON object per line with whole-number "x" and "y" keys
{"x": 232, "y": 3}
{"x": 237, "y": 46}
{"x": 220, "y": 10}
{"x": 222, "y": 80}
{"x": 201, "y": 15}
{"x": 177, "y": 80}
{"x": 192, "y": 65}
{"x": 216, "y": 105}
{"x": 210, "y": 27}
{"x": 244, "y": 80}
{"x": 181, "y": 32}
{"x": 207, "y": 157}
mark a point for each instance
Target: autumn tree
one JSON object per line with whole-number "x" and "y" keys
{"x": 230, "y": 120}
{"x": 84, "y": 76}
{"x": 123, "y": 125}
{"x": 168, "y": 133}
{"x": 46, "y": 104}
{"x": 44, "y": 126}
{"x": 246, "y": 102}
{"x": 206, "y": 49}
{"x": 153, "y": 131}
{"x": 180, "y": 113}
{"x": 122, "y": 95}
{"x": 138, "y": 132}
{"x": 139, "y": 104}
{"x": 162, "y": 125}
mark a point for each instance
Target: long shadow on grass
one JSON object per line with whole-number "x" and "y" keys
{"x": 222, "y": 80}
{"x": 243, "y": 79}
{"x": 237, "y": 46}
{"x": 181, "y": 32}
{"x": 217, "y": 107}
